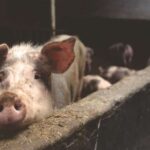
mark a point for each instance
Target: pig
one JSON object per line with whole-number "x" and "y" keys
{"x": 92, "y": 83}
{"x": 37, "y": 79}
{"x": 121, "y": 54}
{"x": 114, "y": 73}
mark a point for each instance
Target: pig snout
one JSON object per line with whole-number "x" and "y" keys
{"x": 12, "y": 110}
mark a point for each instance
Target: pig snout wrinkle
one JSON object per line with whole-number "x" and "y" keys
{"x": 12, "y": 110}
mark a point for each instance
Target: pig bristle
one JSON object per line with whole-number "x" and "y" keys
{"x": 18, "y": 52}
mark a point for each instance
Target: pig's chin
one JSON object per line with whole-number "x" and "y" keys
{"x": 17, "y": 126}
{"x": 13, "y": 127}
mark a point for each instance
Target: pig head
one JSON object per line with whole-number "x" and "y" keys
{"x": 121, "y": 54}
{"x": 35, "y": 80}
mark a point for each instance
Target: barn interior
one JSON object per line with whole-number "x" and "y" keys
{"x": 99, "y": 24}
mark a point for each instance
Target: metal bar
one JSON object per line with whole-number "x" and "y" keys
{"x": 53, "y": 17}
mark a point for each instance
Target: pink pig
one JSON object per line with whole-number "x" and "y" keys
{"x": 35, "y": 80}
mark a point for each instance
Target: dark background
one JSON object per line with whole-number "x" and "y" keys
{"x": 98, "y": 23}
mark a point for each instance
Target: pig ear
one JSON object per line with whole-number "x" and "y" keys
{"x": 3, "y": 52}
{"x": 60, "y": 55}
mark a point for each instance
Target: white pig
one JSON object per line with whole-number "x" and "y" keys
{"x": 35, "y": 80}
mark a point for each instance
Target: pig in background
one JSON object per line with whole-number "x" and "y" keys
{"x": 105, "y": 79}
{"x": 115, "y": 73}
{"x": 98, "y": 78}
{"x": 121, "y": 54}
{"x": 92, "y": 83}
{"x": 35, "y": 80}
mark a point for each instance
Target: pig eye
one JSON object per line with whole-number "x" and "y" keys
{"x": 37, "y": 76}
{"x": 2, "y": 76}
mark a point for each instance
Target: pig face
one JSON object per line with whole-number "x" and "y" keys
{"x": 25, "y": 89}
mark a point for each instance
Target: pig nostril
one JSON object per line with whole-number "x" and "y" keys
{"x": 18, "y": 105}
{"x": 1, "y": 108}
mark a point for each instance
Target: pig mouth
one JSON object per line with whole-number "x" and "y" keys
{"x": 11, "y": 121}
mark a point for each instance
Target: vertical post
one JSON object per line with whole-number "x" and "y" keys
{"x": 53, "y": 17}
